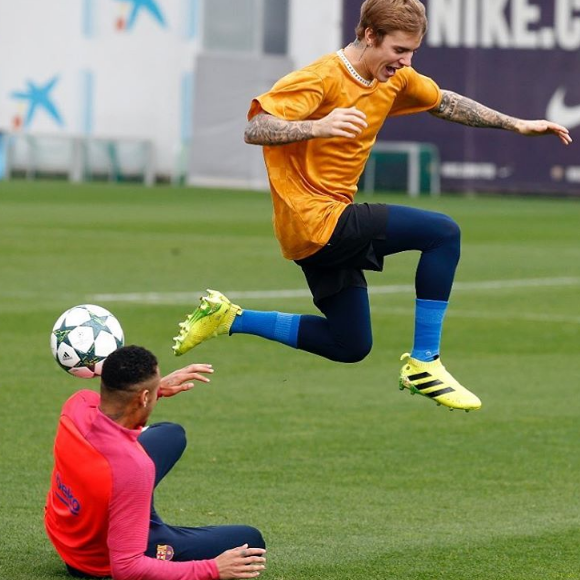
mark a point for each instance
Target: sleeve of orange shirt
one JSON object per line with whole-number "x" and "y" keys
{"x": 293, "y": 98}
{"x": 419, "y": 93}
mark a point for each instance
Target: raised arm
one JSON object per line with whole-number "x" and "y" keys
{"x": 460, "y": 109}
{"x": 266, "y": 129}
{"x": 182, "y": 379}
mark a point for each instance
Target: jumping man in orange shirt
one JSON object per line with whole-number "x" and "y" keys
{"x": 317, "y": 126}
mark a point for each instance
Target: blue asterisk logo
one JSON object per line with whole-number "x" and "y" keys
{"x": 38, "y": 97}
{"x": 148, "y": 5}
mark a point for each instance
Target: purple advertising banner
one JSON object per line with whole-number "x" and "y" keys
{"x": 521, "y": 57}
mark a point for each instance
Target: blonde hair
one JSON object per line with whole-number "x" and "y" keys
{"x": 386, "y": 16}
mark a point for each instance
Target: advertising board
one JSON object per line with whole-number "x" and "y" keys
{"x": 521, "y": 57}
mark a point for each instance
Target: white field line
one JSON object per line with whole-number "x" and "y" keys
{"x": 191, "y": 298}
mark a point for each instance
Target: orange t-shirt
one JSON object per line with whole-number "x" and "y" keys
{"x": 313, "y": 181}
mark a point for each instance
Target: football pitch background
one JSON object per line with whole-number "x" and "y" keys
{"x": 346, "y": 476}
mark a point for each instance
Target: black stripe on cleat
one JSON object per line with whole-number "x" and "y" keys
{"x": 419, "y": 376}
{"x": 440, "y": 392}
{"x": 432, "y": 383}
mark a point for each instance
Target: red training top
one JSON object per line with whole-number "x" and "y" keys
{"x": 98, "y": 507}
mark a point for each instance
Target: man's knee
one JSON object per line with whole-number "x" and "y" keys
{"x": 449, "y": 229}
{"x": 354, "y": 351}
{"x": 171, "y": 434}
{"x": 446, "y": 237}
{"x": 176, "y": 434}
{"x": 254, "y": 537}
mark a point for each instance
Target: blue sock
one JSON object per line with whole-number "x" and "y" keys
{"x": 429, "y": 316}
{"x": 276, "y": 326}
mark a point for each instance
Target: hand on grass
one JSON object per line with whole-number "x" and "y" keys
{"x": 242, "y": 562}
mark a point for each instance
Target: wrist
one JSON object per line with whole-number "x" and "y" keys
{"x": 519, "y": 126}
{"x": 314, "y": 129}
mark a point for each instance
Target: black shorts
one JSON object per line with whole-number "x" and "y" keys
{"x": 349, "y": 251}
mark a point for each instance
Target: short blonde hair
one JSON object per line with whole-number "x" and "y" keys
{"x": 386, "y": 16}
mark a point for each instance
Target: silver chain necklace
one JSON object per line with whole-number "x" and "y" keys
{"x": 352, "y": 70}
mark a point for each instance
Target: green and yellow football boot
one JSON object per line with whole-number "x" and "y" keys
{"x": 214, "y": 316}
{"x": 431, "y": 380}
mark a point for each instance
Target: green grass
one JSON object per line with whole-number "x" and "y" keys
{"x": 346, "y": 476}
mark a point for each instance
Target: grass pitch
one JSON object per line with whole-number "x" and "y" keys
{"x": 346, "y": 476}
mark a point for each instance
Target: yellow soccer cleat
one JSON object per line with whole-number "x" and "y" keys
{"x": 431, "y": 380}
{"x": 214, "y": 315}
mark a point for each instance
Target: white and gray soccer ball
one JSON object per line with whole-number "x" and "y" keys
{"x": 83, "y": 337}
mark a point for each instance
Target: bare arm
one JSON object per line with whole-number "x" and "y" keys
{"x": 460, "y": 109}
{"x": 265, "y": 129}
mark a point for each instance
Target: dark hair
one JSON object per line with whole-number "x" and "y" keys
{"x": 387, "y": 16}
{"x": 126, "y": 367}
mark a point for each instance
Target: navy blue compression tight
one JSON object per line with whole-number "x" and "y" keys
{"x": 344, "y": 333}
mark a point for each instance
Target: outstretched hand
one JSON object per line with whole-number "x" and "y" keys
{"x": 241, "y": 562}
{"x": 182, "y": 379}
{"x": 534, "y": 128}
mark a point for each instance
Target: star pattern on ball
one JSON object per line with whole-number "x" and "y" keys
{"x": 97, "y": 323}
{"x": 62, "y": 332}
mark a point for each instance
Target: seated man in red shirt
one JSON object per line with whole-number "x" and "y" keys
{"x": 99, "y": 511}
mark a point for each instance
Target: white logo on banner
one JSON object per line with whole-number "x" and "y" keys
{"x": 559, "y": 112}
{"x": 473, "y": 170}
{"x": 515, "y": 24}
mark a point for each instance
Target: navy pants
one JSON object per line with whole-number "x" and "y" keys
{"x": 344, "y": 333}
{"x": 164, "y": 443}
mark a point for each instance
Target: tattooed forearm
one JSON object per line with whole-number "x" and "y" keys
{"x": 454, "y": 107}
{"x": 266, "y": 129}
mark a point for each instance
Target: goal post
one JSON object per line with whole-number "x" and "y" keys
{"x": 79, "y": 158}
{"x": 402, "y": 165}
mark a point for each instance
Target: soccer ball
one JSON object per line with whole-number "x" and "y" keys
{"x": 83, "y": 337}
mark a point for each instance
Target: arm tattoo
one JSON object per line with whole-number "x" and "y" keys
{"x": 459, "y": 109}
{"x": 265, "y": 129}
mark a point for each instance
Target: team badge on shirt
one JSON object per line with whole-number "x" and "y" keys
{"x": 164, "y": 552}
